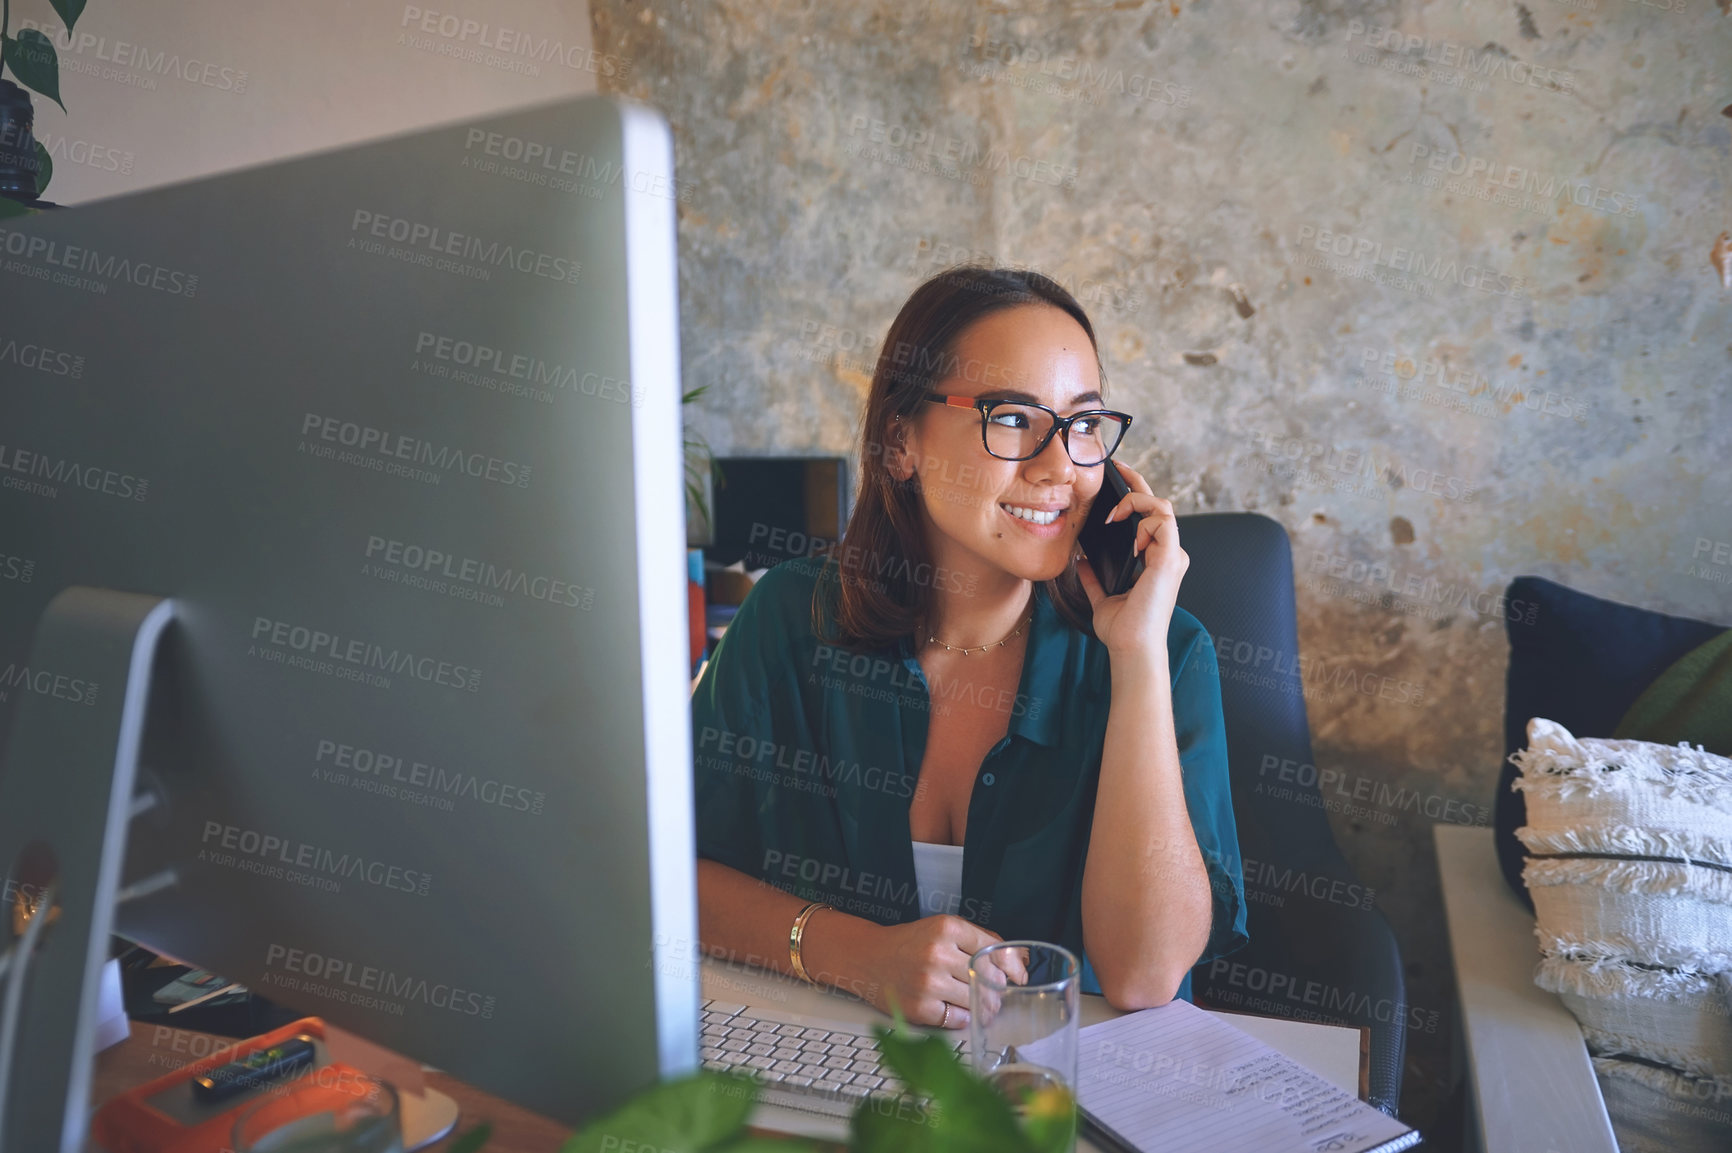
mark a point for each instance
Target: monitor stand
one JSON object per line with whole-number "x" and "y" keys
{"x": 67, "y": 781}
{"x": 66, "y": 797}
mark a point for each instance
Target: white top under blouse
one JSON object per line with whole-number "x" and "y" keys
{"x": 938, "y": 877}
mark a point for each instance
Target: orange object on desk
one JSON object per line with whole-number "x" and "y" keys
{"x": 695, "y": 618}
{"x": 131, "y": 1123}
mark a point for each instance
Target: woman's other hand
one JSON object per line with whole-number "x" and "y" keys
{"x": 924, "y": 965}
{"x": 1135, "y": 621}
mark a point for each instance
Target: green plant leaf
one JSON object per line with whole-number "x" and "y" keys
{"x": 688, "y": 1115}
{"x": 698, "y": 457}
{"x": 878, "y": 1126}
{"x": 1054, "y": 1133}
{"x": 69, "y": 11}
{"x": 44, "y": 168}
{"x": 473, "y": 1140}
{"x": 31, "y": 57}
{"x": 965, "y": 1115}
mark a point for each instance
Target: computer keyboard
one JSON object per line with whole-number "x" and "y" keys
{"x": 809, "y": 1063}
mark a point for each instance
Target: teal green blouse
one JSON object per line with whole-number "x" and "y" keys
{"x": 807, "y": 755}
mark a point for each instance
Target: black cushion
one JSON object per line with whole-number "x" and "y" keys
{"x": 1580, "y": 661}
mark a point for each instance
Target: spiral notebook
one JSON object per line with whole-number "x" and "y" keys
{"x": 1178, "y": 1080}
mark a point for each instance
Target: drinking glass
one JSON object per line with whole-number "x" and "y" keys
{"x": 324, "y": 1111}
{"x": 1022, "y": 1037}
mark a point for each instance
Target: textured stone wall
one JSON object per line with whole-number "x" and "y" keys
{"x": 1428, "y": 284}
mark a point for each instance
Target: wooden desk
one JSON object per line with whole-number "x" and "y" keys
{"x": 1335, "y": 1053}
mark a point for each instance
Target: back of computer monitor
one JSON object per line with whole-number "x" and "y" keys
{"x": 395, "y": 430}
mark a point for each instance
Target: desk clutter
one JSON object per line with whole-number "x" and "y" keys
{"x": 194, "y": 1109}
{"x": 305, "y": 1085}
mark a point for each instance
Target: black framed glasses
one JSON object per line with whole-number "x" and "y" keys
{"x": 1020, "y": 430}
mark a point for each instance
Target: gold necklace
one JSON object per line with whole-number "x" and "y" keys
{"x": 933, "y": 640}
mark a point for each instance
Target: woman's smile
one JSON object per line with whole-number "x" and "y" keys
{"x": 1042, "y": 521}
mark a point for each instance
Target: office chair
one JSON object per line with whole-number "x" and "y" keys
{"x": 1240, "y": 586}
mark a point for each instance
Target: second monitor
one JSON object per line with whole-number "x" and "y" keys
{"x": 370, "y": 477}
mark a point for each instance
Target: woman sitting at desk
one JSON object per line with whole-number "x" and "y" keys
{"x": 943, "y": 733}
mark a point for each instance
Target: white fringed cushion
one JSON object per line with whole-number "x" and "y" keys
{"x": 1677, "y": 1018}
{"x": 1655, "y": 912}
{"x": 1626, "y": 798}
{"x": 1631, "y": 878}
{"x": 1657, "y": 1111}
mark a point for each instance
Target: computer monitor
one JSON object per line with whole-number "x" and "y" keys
{"x": 771, "y": 508}
{"x": 341, "y": 502}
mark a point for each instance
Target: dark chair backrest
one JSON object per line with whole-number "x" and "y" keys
{"x": 1318, "y": 948}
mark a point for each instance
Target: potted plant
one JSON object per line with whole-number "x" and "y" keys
{"x": 25, "y": 166}
{"x": 703, "y": 474}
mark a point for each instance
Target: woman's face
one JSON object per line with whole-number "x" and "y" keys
{"x": 1033, "y": 353}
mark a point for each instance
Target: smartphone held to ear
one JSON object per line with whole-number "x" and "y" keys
{"x": 1109, "y": 546}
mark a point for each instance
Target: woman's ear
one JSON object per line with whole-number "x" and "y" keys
{"x": 901, "y": 462}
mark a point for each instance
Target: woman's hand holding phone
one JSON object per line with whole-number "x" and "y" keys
{"x": 1135, "y": 622}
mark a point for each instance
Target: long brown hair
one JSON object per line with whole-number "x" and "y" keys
{"x": 882, "y": 554}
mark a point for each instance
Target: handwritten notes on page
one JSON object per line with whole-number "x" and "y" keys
{"x": 1176, "y": 1080}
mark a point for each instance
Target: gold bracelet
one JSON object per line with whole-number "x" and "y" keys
{"x": 796, "y": 940}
